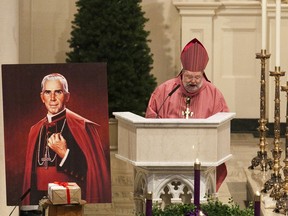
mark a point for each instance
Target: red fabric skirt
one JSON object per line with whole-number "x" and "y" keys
{"x": 221, "y": 173}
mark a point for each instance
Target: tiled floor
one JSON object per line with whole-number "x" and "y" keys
{"x": 244, "y": 148}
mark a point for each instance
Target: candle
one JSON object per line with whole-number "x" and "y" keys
{"x": 257, "y": 204}
{"x": 197, "y": 167}
{"x": 278, "y": 24}
{"x": 149, "y": 204}
{"x": 264, "y": 23}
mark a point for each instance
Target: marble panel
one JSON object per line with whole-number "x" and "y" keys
{"x": 173, "y": 142}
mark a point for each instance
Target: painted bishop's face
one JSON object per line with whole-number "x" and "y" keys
{"x": 192, "y": 81}
{"x": 54, "y": 97}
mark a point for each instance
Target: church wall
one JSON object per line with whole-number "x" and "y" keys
{"x": 231, "y": 33}
{"x": 230, "y": 30}
{"x": 283, "y": 61}
{"x": 164, "y": 26}
{"x": 9, "y": 38}
{"x": 235, "y": 68}
{"x": 44, "y": 30}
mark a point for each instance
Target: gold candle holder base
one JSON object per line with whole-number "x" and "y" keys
{"x": 281, "y": 204}
{"x": 282, "y": 195}
{"x": 262, "y": 158}
{"x": 281, "y": 198}
{"x": 274, "y": 182}
{"x": 276, "y": 179}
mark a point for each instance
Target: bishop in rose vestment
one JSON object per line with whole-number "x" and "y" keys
{"x": 195, "y": 96}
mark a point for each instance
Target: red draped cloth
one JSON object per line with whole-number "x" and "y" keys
{"x": 98, "y": 180}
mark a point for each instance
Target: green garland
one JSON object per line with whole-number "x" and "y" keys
{"x": 212, "y": 207}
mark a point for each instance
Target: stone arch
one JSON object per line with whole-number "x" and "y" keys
{"x": 175, "y": 189}
{"x": 140, "y": 190}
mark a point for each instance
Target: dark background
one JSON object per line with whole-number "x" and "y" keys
{"x": 23, "y": 108}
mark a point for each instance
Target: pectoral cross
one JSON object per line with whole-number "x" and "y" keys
{"x": 187, "y": 113}
{"x": 46, "y": 158}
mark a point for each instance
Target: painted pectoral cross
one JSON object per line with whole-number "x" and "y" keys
{"x": 187, "y": 113}
{"x": 46, "y": 158}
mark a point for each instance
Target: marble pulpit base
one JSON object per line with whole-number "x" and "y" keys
{"x": 171, "y": 184}
{"x": 163, "y": 152}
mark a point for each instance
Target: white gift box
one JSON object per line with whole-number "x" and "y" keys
{"x": 64, "y": 193}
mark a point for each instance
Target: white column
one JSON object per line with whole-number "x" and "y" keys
{"x": 9, "y": 37}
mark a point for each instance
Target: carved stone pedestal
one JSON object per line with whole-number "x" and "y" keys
{"x": 170, "y": 184}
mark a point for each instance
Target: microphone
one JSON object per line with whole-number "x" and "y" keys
{"x": 172, "y": 92}
{"x": 24, "y": 195}
{"x": 169, "y": 95}
{"x": 20, "y": 200}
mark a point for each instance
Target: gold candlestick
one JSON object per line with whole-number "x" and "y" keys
{"x": 261, "y": 158}
{"x": 276, "y": 180}
{"x": 282, "y": 195}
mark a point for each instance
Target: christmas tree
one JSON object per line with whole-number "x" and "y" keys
{"x": 113, "y": 31}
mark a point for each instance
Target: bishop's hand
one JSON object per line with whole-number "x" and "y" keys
{"x": 58, "y": 144}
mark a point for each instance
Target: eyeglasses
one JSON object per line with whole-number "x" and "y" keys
{"x": 190, "y": 77}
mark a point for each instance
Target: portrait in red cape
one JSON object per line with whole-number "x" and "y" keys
{"x": 24, "y": 113}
